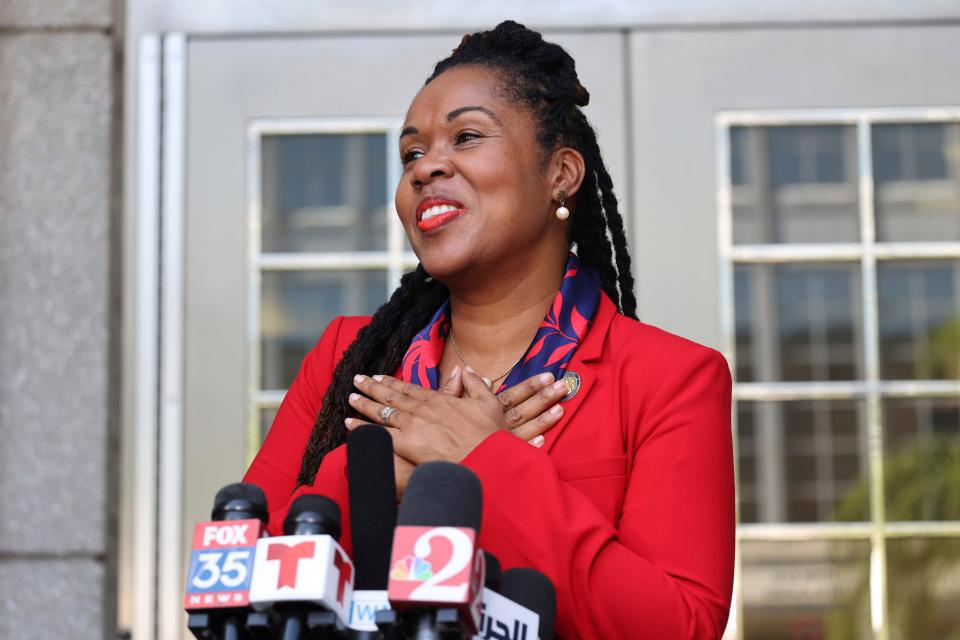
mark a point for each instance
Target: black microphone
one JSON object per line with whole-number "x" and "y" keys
{"x": 313, "y": 515}
{"x": 442, "y": 494}
{"x": 240, "y": 501}
{"x": 218, "y": 584}
{"x": 443, "y": 502}
{"x": 533, "y": 590}
{"x": 492, "y": 579}
{"x": 373, "y": 517}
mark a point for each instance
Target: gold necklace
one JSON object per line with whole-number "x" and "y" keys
{"x": 489, "y": 381}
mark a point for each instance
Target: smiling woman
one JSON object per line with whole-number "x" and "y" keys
{"x": 602, "y": 443}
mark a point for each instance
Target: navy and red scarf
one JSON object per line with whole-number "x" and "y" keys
{"x": 555, "y": 342}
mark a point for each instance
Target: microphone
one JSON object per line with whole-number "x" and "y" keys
{"x": 313, "y": 515}
{"x": 531, "y": 589}
{"x": 221, "y": 563}
{"x": 240, "y": 501}
{"x": 304, "y": 575}
{"x": 492, "y": 579}
{"x": 437, "y": 571}
{"x": 373, "y": 516}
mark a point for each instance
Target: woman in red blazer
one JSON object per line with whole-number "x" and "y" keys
{"x": 603, "y": 445}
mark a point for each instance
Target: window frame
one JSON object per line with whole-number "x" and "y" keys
{"x": 395, "y": 259}
{"x": 872, "y": 390}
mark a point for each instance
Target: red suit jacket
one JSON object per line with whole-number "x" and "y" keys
{"x": 628, "y": 507}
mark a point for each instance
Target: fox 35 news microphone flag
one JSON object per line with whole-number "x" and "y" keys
{"x": 437, "y": 570}
{"x": 373, "y": 517}
{"x": 221, "y": 562}
{"x": 304, "y": 577}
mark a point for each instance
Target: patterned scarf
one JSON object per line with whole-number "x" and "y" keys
{"x": 559, "y": 335}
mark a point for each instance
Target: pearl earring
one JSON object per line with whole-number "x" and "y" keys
{"x": 562, "y": 212}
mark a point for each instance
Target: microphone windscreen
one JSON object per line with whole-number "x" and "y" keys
{"x": 373, "y": 504}
{"x": 242, "y": 497}
{"x": 492, "y": 577}
{"x": 318, "y": 510}
{"x": 533, "y": 590}
{"x": 442, "y": 494}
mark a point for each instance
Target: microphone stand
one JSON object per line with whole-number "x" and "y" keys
{"x": 426, "y": 626}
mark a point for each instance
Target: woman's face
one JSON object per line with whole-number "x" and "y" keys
{"x": 474, "y": 197}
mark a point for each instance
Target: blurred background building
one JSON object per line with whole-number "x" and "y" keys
{"x": 191, "y": 189}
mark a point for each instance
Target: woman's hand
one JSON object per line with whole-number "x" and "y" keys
{"x": 527, "y": 405}
{"x": 402, "y": 470}
{"x": 439, "y": 425}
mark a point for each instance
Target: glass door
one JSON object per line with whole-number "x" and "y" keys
{"x": 290, "y": 165}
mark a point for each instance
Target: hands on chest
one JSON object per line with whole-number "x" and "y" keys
{"x": 448, "y": 423}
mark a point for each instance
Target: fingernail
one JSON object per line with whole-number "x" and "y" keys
{"x": 556, "y": 410}
{"x": 357, "y": 379}
{"x": 354, "y": 396}
{"x": 545, "y": 378}
{"x": 559, "y": 385}
{"x": 348, "y": 422}
{"x": 538, "y": 441}
{"x": 378, "y": 377}
{"x": 455, "y": 370}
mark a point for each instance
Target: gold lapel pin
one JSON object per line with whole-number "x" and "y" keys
{"x": 572, "y": 378}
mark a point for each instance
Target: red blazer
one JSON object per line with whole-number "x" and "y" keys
{"x": 628, "y": 507}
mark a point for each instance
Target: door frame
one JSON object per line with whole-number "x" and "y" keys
{"x": 150, "y": 593}
{"x": 152, "y": 458}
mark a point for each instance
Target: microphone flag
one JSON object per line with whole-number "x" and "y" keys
{"x": 437, "y": 567}
{"x": 221, "y": 563}
{"x": 504, "y": 619}
{"x": 310, "y": 568}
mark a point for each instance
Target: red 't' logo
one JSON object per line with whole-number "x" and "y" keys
{"x": 289, "y": 557}
{"x": 344, "y": 570}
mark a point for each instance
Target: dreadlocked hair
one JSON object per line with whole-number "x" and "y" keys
{"x": 541, "y": 76}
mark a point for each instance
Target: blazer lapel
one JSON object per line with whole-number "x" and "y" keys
{"x": 583, "y": 363}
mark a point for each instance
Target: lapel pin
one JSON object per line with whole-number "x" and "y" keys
{"x": 572, "y": 378}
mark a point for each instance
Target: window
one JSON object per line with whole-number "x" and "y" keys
{"x": 840, "y": 259}
{"x": 324, "y": 241}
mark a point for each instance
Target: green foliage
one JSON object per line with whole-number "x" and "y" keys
{"x": 938, "y": 357}
{"x": 921, "y": 483}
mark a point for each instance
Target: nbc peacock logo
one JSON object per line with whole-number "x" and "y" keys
{"x": 412, "y": 568}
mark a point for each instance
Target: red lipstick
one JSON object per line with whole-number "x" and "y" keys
{"x": 449, "y": 209}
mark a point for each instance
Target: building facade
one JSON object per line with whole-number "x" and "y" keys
{"x": 790, "y": 179}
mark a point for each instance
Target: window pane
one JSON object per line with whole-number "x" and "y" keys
{"x": 916, "y": 169}
{"x": 802, "y": 461}
{"x": 794, "y": 184}
{"x": 324, "y": 192}
{"x": 924, "y": 578}
{"x": 919, "y": 320}
{"x": 922, "y": 461}
{"x": 815, "y": 589}
{"x": 798, "y": 322}
{"x": 295, "y": 308}
{"x": 267, "y": 416}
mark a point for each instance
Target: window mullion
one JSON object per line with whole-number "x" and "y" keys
{"x": 394, "y": 228}
{"x": 728, "y": 327}
{"x": 878, "y": 572}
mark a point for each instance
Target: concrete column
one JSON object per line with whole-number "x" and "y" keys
{"x": 58, "y": 318}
